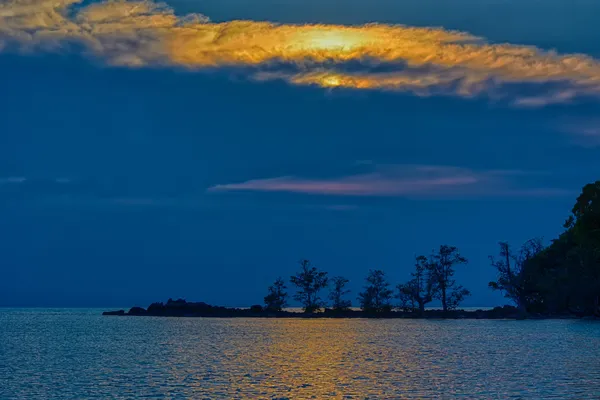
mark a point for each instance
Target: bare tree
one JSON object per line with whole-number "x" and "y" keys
{"x": 421, "y": 288}
{"x": 309, "y": 281}
{"x": 276, "y": 299}
{"x": 510, "y": 266}
{"x": 377, "y": 294}
{"x": 442, "y": 266}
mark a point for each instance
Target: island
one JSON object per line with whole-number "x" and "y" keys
{"x": 558, "y": 280}
{"x": 183, "y": 308}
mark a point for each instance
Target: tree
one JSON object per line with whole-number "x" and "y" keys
{"x": 405, "y": 301}
{"x": 276, "y": 299}
{"x": 585, "y": 216}
{"x": 442, "y": 270}
{"x": 565, "y": 276}
{"x": 338, "y": 292}
{"x": 377, "y": 295}
{"x": 550, "y": 281}
{"x": 309, "y": 281}
{"x": 421, "y": 288}
{"x": 584, "y": 224}
{"x": 509, "y": 265}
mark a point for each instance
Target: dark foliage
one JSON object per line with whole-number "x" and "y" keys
{"x": 509, "y": 265}
{"x": 276, "y": 299}
{"x": 441, "y": 266}
{"x": 419, "y": 291}
{"x": 309, "y": 281}
{"x": 338, "y": 291}
{"x": 377, "y": 295}
{"x": 563, "y": 278}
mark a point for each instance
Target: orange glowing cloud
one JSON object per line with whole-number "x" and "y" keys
{"x": 423, "y": 61}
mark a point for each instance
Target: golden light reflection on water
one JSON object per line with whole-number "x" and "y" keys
{"x": 310, "y": 359}
{"x": 80, "y": 355}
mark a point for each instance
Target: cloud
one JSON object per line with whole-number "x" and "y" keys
{"x": 591, "y": 134}
{"x": 585, "y": 132}
{"x": 137, "y": 201}
{"x": 21, "y": 186}
{"x": 423, "y": 61}
{"x": 363, "y": 162}
{"x": 12, "y": 180}
{"x": 91, "y": 191}
{"x": 342, "y": 207}
{"x": 400, "y": 181}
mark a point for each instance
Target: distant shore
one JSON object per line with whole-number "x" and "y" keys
{"x": 182, "y": 308}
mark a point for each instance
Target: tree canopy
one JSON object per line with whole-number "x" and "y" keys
{"x": 564, "y": 277}
{"x": 309, "y": 281}
{"x": 420, "y": 290}
{"x": 276, "y": 299}
{"x": 338, "y": 291}
{"x": 377, "y": 295}
{"x": 442, "y": 266}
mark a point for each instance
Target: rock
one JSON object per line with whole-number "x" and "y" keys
{"x": 137, "y": 311}
{"x": 257, "y": 308}
{"x": 156, "y": 308}
{"x": 120, "y": 312}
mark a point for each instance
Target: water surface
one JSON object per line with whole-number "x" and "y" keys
{"x": 78, "y": 354}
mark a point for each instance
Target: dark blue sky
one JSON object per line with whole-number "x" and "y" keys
{"x": 106, "y": 171}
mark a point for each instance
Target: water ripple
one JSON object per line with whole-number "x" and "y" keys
{"x": 77, "y": 354}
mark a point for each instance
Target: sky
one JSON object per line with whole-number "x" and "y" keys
{"x": 201, "y": 148}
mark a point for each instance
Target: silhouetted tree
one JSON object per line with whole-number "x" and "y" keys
{"x": 509, "y": 265}
{"x": 405, "y": 302}
{"x": 584, "y": 224}
{"x": 276, "y": 299}
{"x": 377, "y": 295}
{"x": 442, "y": 266}
{"x": 309, "y": 281}
{"x": 338, "y": 292}
{"x": 421, "y": 288}
{"x": 550, "y": 283}
{"x": 565, "y": 276}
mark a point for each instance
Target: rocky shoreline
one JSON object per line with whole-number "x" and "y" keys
{"x": 182, "y": 308}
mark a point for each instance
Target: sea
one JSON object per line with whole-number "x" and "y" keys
{"x": 79, "y": 354}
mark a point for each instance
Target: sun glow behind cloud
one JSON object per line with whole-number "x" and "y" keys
{"x": 424, "y": 61}
{"x": 332, "y": 40}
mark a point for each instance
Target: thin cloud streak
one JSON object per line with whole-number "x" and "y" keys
{"x": 12, "y": 180}
{"x": 358, "y": 185}
{"x": 582, "y": 131}
{"x": 400, "y": 181}
{"x": 586, "y": 133}
{"x": 342, "y": 207}
{"x": 423, "y": 61}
